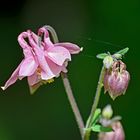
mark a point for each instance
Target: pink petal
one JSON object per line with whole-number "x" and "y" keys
{"x": 33, "y": 79}
{"x": 46, "y": 72}
{"x": 21, "y": 40}
{"x": 13, "y": 77}
{"x": 48, "y": 43}
{"x": 47, "y": 40}
{"x": 28, "y": 67}
{"x": 56, "y": 69}
{"x": 58, "y": 55}
{"x": 27, "y": 50}
{"x": 43, "y": 30}
{"x": 73, "y": 49}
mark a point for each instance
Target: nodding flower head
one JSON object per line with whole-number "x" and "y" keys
{"x": 42, "y": 61}
{"x": 116, "y": 79}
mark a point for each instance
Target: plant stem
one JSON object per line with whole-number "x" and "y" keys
{"x": 68, "y": 89}
{"x": 53, "y": 33}
{"x": 73, "y": 103}
{"x": 95, "y": 103}
{"x": 87, "y": 135}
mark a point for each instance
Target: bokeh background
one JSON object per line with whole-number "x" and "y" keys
{"x": 98, "y": 26}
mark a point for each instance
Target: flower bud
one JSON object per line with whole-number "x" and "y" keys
{"x": 107, "y": 112}
{"x": 116, "y": 80}
{"x": 108, "y": 61}
{"x": 117, "y": 134}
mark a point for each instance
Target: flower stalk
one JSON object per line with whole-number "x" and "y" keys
{"x": 68, "y": 89}
{"x": 73, "y": 103}
{"x": 95, "y": 104}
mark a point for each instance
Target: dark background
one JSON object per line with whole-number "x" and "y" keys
{"x": 98, "y": 26}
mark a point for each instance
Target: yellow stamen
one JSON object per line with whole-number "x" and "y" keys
{"x": 47, "y": 81}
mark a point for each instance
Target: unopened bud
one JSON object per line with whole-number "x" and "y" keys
{"x": 116, "y": 80}
{"x": 108, "y": 61}
{"x": 107, "y": 112}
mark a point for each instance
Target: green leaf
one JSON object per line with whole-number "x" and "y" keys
{"x": 99, "y": 128}
{"x": 102, "y": 55}
{"x": 96, "y": 116}
{"x": 123, "y": 51}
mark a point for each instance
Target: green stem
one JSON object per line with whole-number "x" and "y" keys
{"x": 87, "y": 135}
{"x": 53, "y": 33}
{"x": 68, "y": 89}
{"x": 95, "y": 103}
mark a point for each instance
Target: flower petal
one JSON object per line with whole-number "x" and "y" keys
{"x": 13, "y": 77}
{"x": 56, "y": 69}
{"x": 47, "y": 40}
{"x": 73, "y": 49}
{"x": 28, "y": 67}
{"x": 33, "y": 79}
{"x": 46, "y": 72}
{"x": 27, "y": 50}
{"x": 58, "y": 55}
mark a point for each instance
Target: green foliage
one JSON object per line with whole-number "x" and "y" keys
{"x": 96, "y": 117}
{"x": 102, "y": 55}
{"x": 123, "y": 51}
{"x": 117, "y": 55}
{"x": 99, "y": 128}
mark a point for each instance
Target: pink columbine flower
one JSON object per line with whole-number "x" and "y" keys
{"x": 42, "y": 62}
{"x": 116, "y": 80}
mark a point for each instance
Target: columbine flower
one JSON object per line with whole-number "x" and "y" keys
{"x": 42, "y": 62}
{"x": 116, "y": 134}
{"x": 116, "y": 79}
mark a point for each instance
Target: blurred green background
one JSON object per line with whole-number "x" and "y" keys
{"x": 98, "y": 26}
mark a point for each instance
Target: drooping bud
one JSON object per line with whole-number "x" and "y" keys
{"x": 107, "y": 112}
{"x": 117, "y": 134}
{"x": 116, "y": 79}
{"x": 108, "y": 61}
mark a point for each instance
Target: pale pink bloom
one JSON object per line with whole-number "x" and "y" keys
{"x": 117, "y": 134}
{"x": 116, "y": 80}
{"x": 41, "y": 63}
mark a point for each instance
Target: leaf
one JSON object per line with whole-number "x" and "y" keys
{"x": 99, "y": 128}
{"x": 123, "y": 51}
{"x": 95, "y": 117}
{"x": 102, "y": 55}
